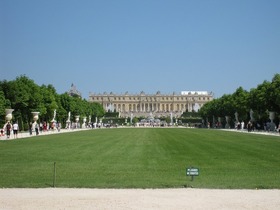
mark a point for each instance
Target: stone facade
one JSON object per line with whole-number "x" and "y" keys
{"x": 152, "y": 104}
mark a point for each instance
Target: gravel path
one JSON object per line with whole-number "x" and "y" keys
{"x": 62, "y": 198}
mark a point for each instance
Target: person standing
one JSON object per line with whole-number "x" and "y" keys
{"x": 36, "y": 125}
{"x": 30, "y": 128}
{"x": 8, "y": 128}
{"x": 15, "y": 129}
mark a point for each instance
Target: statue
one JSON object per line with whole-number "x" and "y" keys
{"x": 35, "y": 124}
{"x": 236, "y": 116}
{"x": 84, "y": 122}
{"x": 77, "y": 119}
{"x": 68, "y": 120}
{"x": 227, "y": 122}
{"x": 251, "y": 115}
{"x": 54, "y": 115}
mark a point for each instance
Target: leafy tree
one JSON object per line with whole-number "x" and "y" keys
{"x": 135, "y": 120}
{"x": 273, "y": 94}
{"x": 66, "y": 102}
{"x": 168, "y": 119}
{"x": 226, "y": 105}
{"x": 2, "y": 107}
{"x": 49, "y": 103}
{"x": 5, "y": 89}
{"x": 2, "y": 103}
{"x": 25, "y": 97}
{"x": 97, "y": 110}
{"x": 62, "y": 114}
{"x": 210, "y": 109}
{"x": 240, "y": 102}
{"x": 258, "y": 99}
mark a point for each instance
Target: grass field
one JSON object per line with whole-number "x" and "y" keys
{"x": 142, "y": 158}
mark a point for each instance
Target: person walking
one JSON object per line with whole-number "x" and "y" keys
{"x": 15, "y": 130}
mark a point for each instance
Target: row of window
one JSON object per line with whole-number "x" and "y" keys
{"x": 151, "y": 107}
{"x": 151, "y": 99}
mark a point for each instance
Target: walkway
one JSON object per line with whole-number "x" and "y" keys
{"x": 25, "y": 134}
{"x": 254, "y": 132}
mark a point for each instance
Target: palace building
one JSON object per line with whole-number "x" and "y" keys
{"x": 143, "y": 105}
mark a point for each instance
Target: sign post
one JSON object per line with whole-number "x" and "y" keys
{"x": 192, "y": 172}
{"x": 54, "y": 174}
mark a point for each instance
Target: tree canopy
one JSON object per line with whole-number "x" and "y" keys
{"x": 25, "y": 96}
{"x": 262, "y": 99}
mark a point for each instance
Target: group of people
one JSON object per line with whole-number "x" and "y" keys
{"x": 9, "y": 128}
{"x": 13, "y": 128}
{"x": 269, "y": 126}
{"x": 42, "y": 127}
{"x": 242, "y": 126}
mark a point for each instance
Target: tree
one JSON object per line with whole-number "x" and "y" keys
{"x": 273, "y": 94}
{"x": 135, "y": 120}
{"x": 49, "y": 103}
{"x": 240, "y": 102}
{"x": 2, "y": 106}
{"x": 25, "y": 96}
{"x": 97, "y": 110}
{"x": 62, "y": 114}
{"x": 257, "y": 98}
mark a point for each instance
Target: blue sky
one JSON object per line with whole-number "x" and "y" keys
{"x": 141, "y": 45}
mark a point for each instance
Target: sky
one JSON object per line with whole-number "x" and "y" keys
{"x": 141, "y": 45}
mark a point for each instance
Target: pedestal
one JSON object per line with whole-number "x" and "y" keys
{"x": 84, "y": 123}
{"x": 9, "y": 115}
{"x": 77, "y": 118}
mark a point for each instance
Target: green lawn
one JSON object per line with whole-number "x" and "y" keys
{"x": 142, "y": 158}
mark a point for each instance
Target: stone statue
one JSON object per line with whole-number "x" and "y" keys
{"x": 69, "y": 115}
{"x": 68, "y": 121}
{"x": 54, "y": 115}
{"x": 236, "y": 116}
{"x": 251, "y": 115}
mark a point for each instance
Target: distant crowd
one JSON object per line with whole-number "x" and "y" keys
{"x": 37, "y": 128}
{"x": 252, "y": 126}
{"x": 34, "y": 128}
